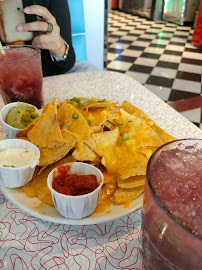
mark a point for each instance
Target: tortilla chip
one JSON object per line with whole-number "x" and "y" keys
{"x": 165, "y": 137}
{"x": 109, "y": 125}
{"x": 115, "y": 155}
{"x": 42, "y": 169}
{"x": 30, "y": 192}
{"x": 47, "y": 132}
{"x": 25, "y": 131}
{"x": 114, "y": 113}
{"x": 89, "y": 141}
{"x": 107, "y": 191}
{"x": 128, "y": 116}
{"x": 69, "y": 137}
{"x": 78, "y": 126}
{"x": 52, "y": 155}
{"x": 132, "y": 182}
{"x": 106, "y": 104}
{"x": 135, "y": 165}
{"x": 144, "y": 135}
{"x": 162, "y": 134}
{"x": 97, "y": 128}
{"x": 132, "y": 109}
{"x": 107, "y": 137}
{"x": 123, "y": 195}
{"x": 45, "y": 196}
{"x": 98, "y": 141}
{"x": 96, "y": 116}
{"x": 108, "y": 177}
{"x": 85, "y": 154}
{"x": 45, "y": 107}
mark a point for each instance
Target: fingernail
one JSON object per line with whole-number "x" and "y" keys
{"x": 27, "y": 10}
{"x": 20, "y": 27}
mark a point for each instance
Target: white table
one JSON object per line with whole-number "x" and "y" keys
{"x": 27, "y": 242}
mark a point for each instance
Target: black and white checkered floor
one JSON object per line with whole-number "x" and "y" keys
{"x": 160, "y": 56}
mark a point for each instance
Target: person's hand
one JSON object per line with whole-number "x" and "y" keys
{"x": 48, "y": 41}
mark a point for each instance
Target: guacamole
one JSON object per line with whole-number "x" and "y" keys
{"x": 21, "y": 115}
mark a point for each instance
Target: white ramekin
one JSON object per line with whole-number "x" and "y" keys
{"x": 9, "y": 131}
{"x": 77, "y": 207}
{"x": 17, "y": 177}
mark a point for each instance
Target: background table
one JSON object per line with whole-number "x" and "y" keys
{"x": 30, "y": 243}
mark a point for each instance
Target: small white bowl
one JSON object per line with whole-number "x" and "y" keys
{"x": 17, "y": 177}
{"x": 77, "y": 207}
{"x": 10, "y": 131}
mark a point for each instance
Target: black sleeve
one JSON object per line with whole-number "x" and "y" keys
{"x": 60, "y": 10}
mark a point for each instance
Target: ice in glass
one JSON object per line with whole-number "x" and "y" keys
{"x": 21, "y": 75}
{"x": 172, "y": 208}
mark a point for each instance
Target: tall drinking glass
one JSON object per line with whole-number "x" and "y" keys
{"x": 172, "y": 208}
{"x": 21, "y": 75}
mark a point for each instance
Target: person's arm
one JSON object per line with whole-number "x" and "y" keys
{"x": 61, "y": 12}
{"x": 52, "y": 44}
{"x": 56, "y": 15}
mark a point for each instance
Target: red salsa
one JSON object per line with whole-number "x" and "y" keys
{"x": 73, "y": 184}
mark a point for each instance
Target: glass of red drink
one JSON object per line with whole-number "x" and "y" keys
{"x": 21, "y": 75}
{"x": 172, "y": 208}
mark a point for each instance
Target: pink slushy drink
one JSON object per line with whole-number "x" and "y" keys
{"x": 172, "y": 210}
{"x": 21, "y": 75}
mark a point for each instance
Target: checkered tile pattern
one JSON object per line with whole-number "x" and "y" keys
{"x": 158, "y": 55}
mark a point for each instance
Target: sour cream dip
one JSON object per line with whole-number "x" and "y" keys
{"x": 17, "y": 157}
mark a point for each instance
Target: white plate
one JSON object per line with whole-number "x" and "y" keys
{"x": 29, "y": 205}
{"x": 112, "y": 86}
